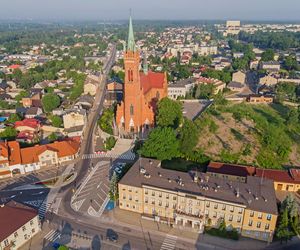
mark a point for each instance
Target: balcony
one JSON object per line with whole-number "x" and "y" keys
{"x": 188, "y": 215}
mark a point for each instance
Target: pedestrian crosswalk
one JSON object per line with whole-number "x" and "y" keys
{"x": 125, "y": 156}
{"x": 169, "y": 242}
{"x": 34, "y": 203}
{"x": 43, "y": 209}
{"x": 53, "y": 235}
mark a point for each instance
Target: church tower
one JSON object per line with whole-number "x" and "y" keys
{"x": 132, "y": 87}
{"x": 141, "y": 92}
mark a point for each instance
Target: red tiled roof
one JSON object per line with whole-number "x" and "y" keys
{"x": 4, "y": 149}
{"x": 295, "y": 173}
{"x": 33, "y": 123}
{"x": 152, "y": 80}
{"x": 14, "y": 66}
{"x": 230, "y": 169}
{"x": 15, "y": 153}
{"x": 63, "y": 148}
{"x": 276, "y": 175}
{"x": 13, "y": 216}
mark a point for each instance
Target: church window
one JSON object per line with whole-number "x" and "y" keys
{"x": 131, "y": 109}
{"x": 129, "y": 75}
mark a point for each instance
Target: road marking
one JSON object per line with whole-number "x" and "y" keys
{"x": 53, "y": 235}
{"x": 169, "y": 242}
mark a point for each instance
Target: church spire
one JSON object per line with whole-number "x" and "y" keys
{"x": 131, "y": 42}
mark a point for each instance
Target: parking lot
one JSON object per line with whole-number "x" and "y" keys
{"x": 92, "y": 195}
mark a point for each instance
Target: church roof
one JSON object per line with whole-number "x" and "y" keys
{"x": 152, "y": 80}
{"x": 131, "y": 42}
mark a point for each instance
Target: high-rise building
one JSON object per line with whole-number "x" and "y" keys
{"x": 142, "y": 91}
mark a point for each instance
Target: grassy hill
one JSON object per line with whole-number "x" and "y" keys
{"x": 257, "y": 134}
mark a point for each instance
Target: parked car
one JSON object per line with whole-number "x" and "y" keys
{"x": 118, "y": 170}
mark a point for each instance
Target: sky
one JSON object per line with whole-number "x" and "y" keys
{"x": 276, "y": 10}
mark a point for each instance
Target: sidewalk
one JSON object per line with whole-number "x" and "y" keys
{"x": 134, "y": 220}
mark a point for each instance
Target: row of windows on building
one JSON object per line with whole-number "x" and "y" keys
{"x": 223, "y": 207}
{"x": 260, "y": 215}
{"x": 6, "y": 241}
{"x": 258, "y": 224}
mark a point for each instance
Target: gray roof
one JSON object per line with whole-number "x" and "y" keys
{"x": 254, "y": 194}
{"x": 235, "y": 85}
{"x": 191, "y": 110}
{"x": 182, "y": 83}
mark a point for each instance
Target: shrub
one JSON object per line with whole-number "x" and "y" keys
{"x": 110, "y": 143}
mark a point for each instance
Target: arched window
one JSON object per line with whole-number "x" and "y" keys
{"x": 131, "y": 110}
{"x": 131, "y": 75}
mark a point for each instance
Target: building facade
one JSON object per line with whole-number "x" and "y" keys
{"x": 195, "y": 200}
{"x": 21, "y": 224}
{"x": 142, "y": 91}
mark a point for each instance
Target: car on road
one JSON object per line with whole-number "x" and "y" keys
{"x": 111, "y": 235}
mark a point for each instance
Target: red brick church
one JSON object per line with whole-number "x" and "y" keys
{"x": 142, "y": 91}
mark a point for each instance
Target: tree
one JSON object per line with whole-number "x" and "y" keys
{"x": 14, "y": 118}
{"x": 106, "y": 121}
{"x": 9, "y": 133}
{"x": 110, "y": 143}
{"x": 161, "y": 144}
{"x": 204, "y": 91}
{"x": 169, "y": 113}
{"x": 50, "y": 101}
{"x": 291, "y": 205}
{"x": 56, "y": 121}
{"x": 283, "y": 232}
{"x": 22, "y": 94}
{"x": 290, "y": 63}
{"x": 52, "y": 137}
{"x": 188, "y": 137}
{"x": 113, "y": 187}
{"x": 268, "y": 55}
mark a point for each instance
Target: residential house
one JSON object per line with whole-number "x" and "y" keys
{"x": 91, "y": 84}
{"x": 21, "y": 225}
{"x": 4, "y": 87}
{"x": 181, "y": 88}
{"x": 33, "y": 112}
{"x": 114, "y": 91}
{"x": 235, "y": 86}
{"x": 74, "y": 118}
{"x": 258, "y": 98}
{"x": 271, "y": 66}
{"x": 219, "y": 86}
{"x": 85, "y": 101}
{"x": 229, "y": 172}
{"x": 239, "y": 76}
{"x": 193, "y": 200}
{"x": 268, "y": 80}
{"x": 284, "y": 180}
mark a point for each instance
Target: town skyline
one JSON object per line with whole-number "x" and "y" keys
{"x": 154, "y": 10}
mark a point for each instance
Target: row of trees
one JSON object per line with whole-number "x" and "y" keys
{"x": 174, "y": 136}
